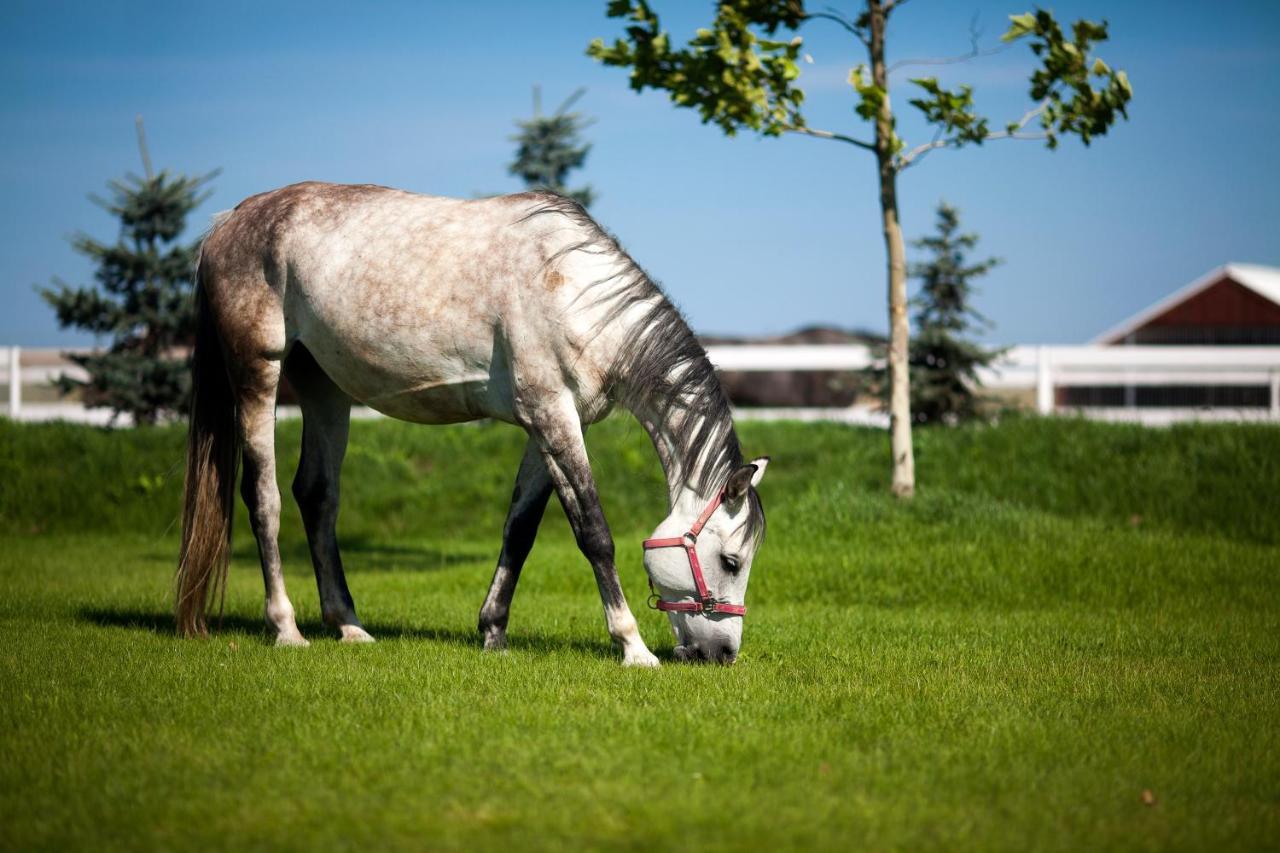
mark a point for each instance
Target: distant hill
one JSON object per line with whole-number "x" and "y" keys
{"x": 805, "y": 335}
{"x": 795, "y": 387}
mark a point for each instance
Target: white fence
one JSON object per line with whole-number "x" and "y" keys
{"x": 1042, "y": 369}
{"x": 38, "y": 368}
{"x": 13, "y": 370}
{"x": 1048, "y": 368}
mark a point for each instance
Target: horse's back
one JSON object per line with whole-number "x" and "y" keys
{"x": 411, "y": 303}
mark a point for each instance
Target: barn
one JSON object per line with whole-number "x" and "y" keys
{"x": 1234, "y": 305}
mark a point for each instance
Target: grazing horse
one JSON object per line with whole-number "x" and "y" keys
{"x": 437, "y": 310}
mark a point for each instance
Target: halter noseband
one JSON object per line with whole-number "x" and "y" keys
{"x": 706, "y": 602}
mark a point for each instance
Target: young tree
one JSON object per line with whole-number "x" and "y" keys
{"x": 142, "y": 298}
{"x": 944, "y": 362}
{"x": 549, "y": 148}
{"x": 738, "y": 80}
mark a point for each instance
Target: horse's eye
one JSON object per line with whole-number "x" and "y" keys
{"x": 730, "y": 564}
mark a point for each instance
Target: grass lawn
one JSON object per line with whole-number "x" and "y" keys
{"x": 1070, "y": 640}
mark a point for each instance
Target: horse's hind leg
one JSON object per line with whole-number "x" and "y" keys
{"x": 326, "y": 418}
{"x": 256, "y": 383}
{"x": 528, "y": 501}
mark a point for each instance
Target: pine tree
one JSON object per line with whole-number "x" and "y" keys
{"x": 142, "y": 297}
{"x": 943, "y": 362}
{"x": 549, "y": 148}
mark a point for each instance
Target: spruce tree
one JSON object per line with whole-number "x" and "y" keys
{"x": 944, "y": 362}
{"x": 142, "y": 297}
{"x": 549, "y": 148}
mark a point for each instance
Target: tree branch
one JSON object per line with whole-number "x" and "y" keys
{"x": 1013, "y": 132}
{"x": 826, "y": 134}
{"x": 974, "y": 51}
{"x": 571, "y": 100}
{"x": 142, "y": 147}
{"x": 920, "y": 151}
{"x": 843, "y": 20}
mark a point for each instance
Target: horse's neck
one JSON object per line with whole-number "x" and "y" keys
{"x": 662, "y": 375}
{"x": 669, "y": 428}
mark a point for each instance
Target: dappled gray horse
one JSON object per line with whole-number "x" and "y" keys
{"x": 436, "y": 311}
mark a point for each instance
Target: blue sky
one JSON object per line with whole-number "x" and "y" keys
{"x": 747, "y": 235}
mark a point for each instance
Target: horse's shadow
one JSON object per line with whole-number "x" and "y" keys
{"x": 369, "y": 555}
{"x": 161, "y": 623}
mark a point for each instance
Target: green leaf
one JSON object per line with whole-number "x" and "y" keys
{"x": 1081, "y": 94}
{"x": 732, "y": 76}
{"x": 929, "y": 84}
{"x": 951, "y": 111}
{"x": 1019, "y": 26}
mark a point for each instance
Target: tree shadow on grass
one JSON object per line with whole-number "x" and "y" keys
{"x": 235, "y": 625}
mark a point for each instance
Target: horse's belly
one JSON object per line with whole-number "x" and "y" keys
{"x": 440, "y": 404}
{"x": 410, "y": 377}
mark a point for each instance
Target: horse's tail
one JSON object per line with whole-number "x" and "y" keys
{"x": 213, "y": 453}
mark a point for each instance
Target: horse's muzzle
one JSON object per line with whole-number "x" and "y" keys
{"x": 713, "y": 652}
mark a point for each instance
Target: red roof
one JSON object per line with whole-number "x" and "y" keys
{"x": 1232, "y": 294}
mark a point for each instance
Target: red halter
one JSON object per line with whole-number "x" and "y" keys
{"x": 706, "y": 603}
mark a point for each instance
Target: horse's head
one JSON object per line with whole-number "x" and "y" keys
{"x": 699, "y": 562}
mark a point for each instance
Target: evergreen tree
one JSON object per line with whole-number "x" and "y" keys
{"x": 943, "y": 361}
{"x": 549, "y": 148}
{"x": 142, "y": 298}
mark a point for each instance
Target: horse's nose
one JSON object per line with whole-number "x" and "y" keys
{"x": 721, "y": 653}
{"x": 726, "y": 654}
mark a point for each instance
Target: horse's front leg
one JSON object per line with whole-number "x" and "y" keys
{"x": 528, "y": 502}
{"x": 565, "y": 455}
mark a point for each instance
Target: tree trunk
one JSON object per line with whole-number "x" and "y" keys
{"x": 904, "y": 465}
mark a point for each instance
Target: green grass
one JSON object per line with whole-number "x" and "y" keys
{"x": 1068, "y": 615}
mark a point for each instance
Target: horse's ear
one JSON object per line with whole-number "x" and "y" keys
{"x": 739, "y": 481}
{"x": 760, "y": 464}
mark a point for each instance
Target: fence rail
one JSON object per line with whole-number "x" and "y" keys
{"x": 1042, "y": 369}
{"x": 1049, "y": 368}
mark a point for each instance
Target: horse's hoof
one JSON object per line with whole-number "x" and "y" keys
{"x": 355, "y": 634}
{"x": 640, "y": 658}
{"x": 296, "y": 641}
{"x": 495, "y": 640}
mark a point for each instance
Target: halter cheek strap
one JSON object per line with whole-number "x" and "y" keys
{"x": 706, "y": 602}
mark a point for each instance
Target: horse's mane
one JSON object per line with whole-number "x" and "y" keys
{"x": 661, "y": 365}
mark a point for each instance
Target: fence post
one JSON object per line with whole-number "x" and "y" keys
{"x": 1275, "y": 395}
{"x": 1044, "y": 382}
{"x": 15, "y": 382}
